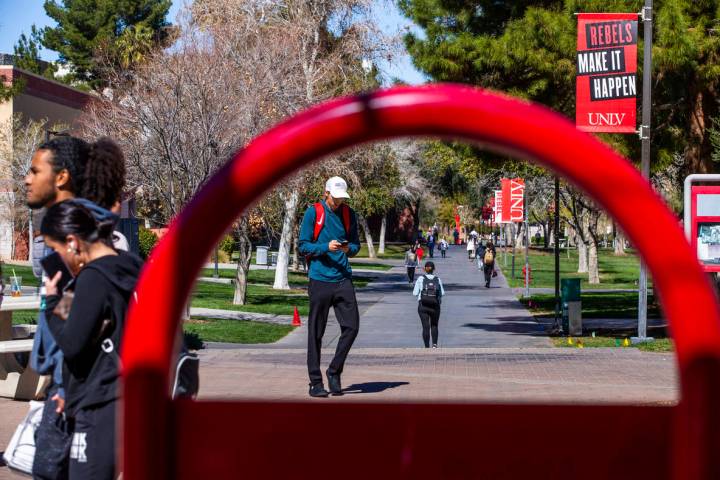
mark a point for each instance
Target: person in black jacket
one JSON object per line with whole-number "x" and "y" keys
{"x": 88, "y": 327}
{"x": 488, "y": 261}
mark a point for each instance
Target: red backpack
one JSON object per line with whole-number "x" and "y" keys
{"x": 320, "y": 219}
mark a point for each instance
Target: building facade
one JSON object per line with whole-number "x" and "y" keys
{"x": 55, "y": 104}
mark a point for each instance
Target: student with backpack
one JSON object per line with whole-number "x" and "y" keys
{"x": 411, "y": 264}
{"x": 489, "y": 262}
{"x": 443, "y": 247}
{"x": 429, "y": 292}
{"x": 329, "y": 237}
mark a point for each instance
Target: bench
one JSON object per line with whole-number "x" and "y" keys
{"x": 16, "y": 381}
{"x": 16, "y": 346}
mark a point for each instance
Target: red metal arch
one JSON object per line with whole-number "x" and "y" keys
{"x": 165, "y": 439}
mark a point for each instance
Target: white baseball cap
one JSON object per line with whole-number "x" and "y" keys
{"x": 337, "y": 187}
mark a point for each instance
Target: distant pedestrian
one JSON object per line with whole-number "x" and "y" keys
{"x": 410, "y": 264}
{"x": 443, "y": 247}
{"x": 419, "y": 252}
{"x": 431, "y": 244}
{"x": 479, "y": 254}
{"x": 429, "y": 292}
{"x": 456, "y": 237}
{"x": 471, "y": 248}
{"x": 489, "y": 262}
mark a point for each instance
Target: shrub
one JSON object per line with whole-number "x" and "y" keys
{"x": 227, "y": 244}
{"x": 147, "y": 240}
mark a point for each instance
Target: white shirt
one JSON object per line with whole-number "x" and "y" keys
{"x": 419, "y": 284}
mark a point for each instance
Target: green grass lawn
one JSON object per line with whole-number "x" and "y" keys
{"x": 22, "y": 317}
{"x": 596, "y": 305}
{"x": 371, "y": 266}
{"x": 264, "y": 277}
{"x": 235, "y": 331}
{"x": 28, "y": 278}
{"x": 260, "y": 298}
{"x": 392, "y": 250}
{"x": 615, "y": 272}
{"x": 658, "y": 345}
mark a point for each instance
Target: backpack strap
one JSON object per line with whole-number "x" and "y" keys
{"x": 346, "y": 219}
{"x": 319, "y": 220}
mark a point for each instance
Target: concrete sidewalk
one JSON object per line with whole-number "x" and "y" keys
{"x": 471, "y": 315}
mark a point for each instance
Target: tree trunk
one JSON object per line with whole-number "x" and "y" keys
{"x": 593, "y": 271}
{"x": 281, "y": 269}
{"x": 550, "y": 237}
{"x": 295, "y": 257}
{"x": 243, "y": 267}
{"x": 697, "y": 153}
{"x": 619, "y": 242}
{"x": 368, "y": 236}
{"x": 582, "y": 249}
{"x": 383, "y": 228}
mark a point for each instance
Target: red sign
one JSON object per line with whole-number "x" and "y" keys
{"x": 513, "y": 193}
{"x": 606, "y": 78}
{"x": 497, "y": 207}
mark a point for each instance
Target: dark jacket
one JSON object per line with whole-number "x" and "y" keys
{"x": 102, "y": 292}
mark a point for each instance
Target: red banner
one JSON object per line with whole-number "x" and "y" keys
{"x": 606, "y": 78}
{"x": 513, "y": 194}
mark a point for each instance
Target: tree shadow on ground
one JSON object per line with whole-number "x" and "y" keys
{"x": 372, "y": 387}
{"x": 509, "y": 326}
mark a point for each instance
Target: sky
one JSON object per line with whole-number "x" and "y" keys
{"x": 17, "y": 16}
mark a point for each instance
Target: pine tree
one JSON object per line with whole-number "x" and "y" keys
{"x": 90, "y": 29}
{"x": 27, "y": 55}
{"x": 527, "y": 48}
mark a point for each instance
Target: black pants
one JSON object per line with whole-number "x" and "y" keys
{"x": 340, "y": 296}
{"x": 92, "y": 451}
{"x": 488, "y": 270}
{"x": 429, "y": 318}
{"x": 431, "y": 247}
{"x": 411, "y": 274}
{"x": 442, "y": 252}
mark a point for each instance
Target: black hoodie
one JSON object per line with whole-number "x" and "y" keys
{"x": 102, "y": 292}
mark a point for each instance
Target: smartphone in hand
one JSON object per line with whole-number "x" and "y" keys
{"x": 344, "y": 243}
{"x": 54, "y": 263}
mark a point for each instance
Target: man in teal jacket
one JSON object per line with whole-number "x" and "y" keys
{"x": 330, "y": 280}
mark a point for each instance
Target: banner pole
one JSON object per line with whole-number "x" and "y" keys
{"x": 556, "y": 325}
{"x": 647, "y": 14}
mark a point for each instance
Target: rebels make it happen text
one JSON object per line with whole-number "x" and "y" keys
{"x": 608, "y": 60}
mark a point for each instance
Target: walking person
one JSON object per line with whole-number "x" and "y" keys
{"x": 480, "y": 254}
{"x": 470, "y": 248}
{"x": 410, "y": 264}
{"x": 64, "y": 168}
{"x": 431, "y": 244}
{"x": 329, "y": 237}
{"x": 489, "y": 262}
{"x": 419, "y": 252}
{"x": 88, "y": 328}
{"x": 429, "y": 292}
{"x": 443, "y": 247}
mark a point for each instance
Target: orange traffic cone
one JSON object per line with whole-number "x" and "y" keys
{"x": 296, "y": 318}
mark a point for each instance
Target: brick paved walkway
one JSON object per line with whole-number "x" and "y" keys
{"x": 454, "y": 374}
{"x": 491, "y": 350}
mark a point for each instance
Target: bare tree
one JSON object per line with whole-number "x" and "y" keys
{"x": 19, "y": 139}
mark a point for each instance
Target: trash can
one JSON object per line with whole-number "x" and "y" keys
{"x": 570, "y": 299}
{"x": 261, "y": 258}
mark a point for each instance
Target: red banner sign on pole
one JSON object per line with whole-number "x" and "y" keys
{"x": 607, "y": 72}
{"x": 513, "y": 194}
{"x": 497, "y": 207}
